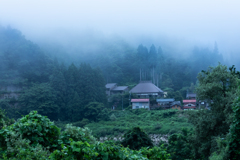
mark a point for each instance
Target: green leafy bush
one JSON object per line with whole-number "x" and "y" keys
{"x": 4, "y": 121}
{"x": 113, "y": 117}
{"x": 155, "y": 153}
{"x": 35, "y": 128}
{"x": 35, "y": 137}
{"x": 107, "y": 151}
{"x": 77, "y": 134}
{"x": 18, "y": 148}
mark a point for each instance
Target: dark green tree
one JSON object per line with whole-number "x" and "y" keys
{"x": 153, "y": 57}
{"x": 234, "y": 143}
{"x": 93, "y": 110}
{"x": 40, "y": 97}
{"x": 136, "y": 138}
{"x": 179, "y": 146}
{"x": 218, "y": 87}
{"x": 59, "y": 85}
{"x": 75, "y": 108}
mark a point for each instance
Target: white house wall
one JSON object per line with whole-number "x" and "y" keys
{"x": 136, "y": 105}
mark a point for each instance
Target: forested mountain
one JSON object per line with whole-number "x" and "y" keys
{"x": 122, "y": 63}
{"x": 21, "y": 60}
{"x": 43, "y": 84}
{"x": 54, "y": 86}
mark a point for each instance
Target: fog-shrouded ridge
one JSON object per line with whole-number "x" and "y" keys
{"x": 184, "y": 23}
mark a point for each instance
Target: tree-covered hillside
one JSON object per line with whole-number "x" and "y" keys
{"x": 173, "y": 70}
{"x": 42, "y": 84}
{"x": 39, "y": 75}
{"x": 21, "y": 61}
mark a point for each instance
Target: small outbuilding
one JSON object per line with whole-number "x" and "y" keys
{"x": 165, "y": 103}
{"x": 112, "y": 88}
{"x": 176, "y": 105}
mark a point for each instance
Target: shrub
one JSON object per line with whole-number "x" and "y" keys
{"x": 136, "y": 138}
{"x": 157, "y": 126}
{"x": 18, "y": 148}
{"x": 77, "y": 134}
{"x": 113, "y": 117}
{"x": 179, "y": 146}
{"x": 156, "y": 153}
{"x": 108, "y": 151}
{"x": 35, "y": 128}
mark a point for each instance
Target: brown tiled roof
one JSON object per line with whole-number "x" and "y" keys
{"x": 145, "y": 87}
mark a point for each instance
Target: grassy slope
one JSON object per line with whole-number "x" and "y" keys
{"x": 156, "y": 121}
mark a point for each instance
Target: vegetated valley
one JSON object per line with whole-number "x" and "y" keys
{"x": 53, "y": 107}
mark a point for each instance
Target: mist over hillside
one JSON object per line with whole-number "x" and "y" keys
{"x": 170, "y": 67}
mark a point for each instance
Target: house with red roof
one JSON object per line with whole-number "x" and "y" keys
{"x": 140, "y": 103}
{"x": 189, "y": 104}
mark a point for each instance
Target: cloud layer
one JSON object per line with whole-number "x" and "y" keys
{"x": 198, "y": 21}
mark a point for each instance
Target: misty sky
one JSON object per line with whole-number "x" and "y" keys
{"x": 198, "y": 21}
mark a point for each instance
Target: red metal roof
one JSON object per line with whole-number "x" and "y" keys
{"x": 189, "y": 101}
{"x": 139, "y": 100}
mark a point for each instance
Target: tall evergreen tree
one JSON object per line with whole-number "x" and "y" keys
{"x": 153, "y": 56}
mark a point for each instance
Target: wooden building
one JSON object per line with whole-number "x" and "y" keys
{"x": 176, "y": 105}
{"x": 112, "y": 88}
{"x": 165, "y": 103}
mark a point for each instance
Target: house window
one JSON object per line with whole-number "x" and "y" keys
{"x": 189, "y": 105}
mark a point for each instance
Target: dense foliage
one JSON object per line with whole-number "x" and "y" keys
{"x": 35, "y": 137}
{"x": 160, "y": 122}
{"x": 33, "y": 127}
{"x": 218, "y": 86}
{"x": 179, "y": 146}
{"x": 234, "y": 141}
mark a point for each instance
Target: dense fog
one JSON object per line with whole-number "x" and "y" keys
{"x": 180, "y": 24}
